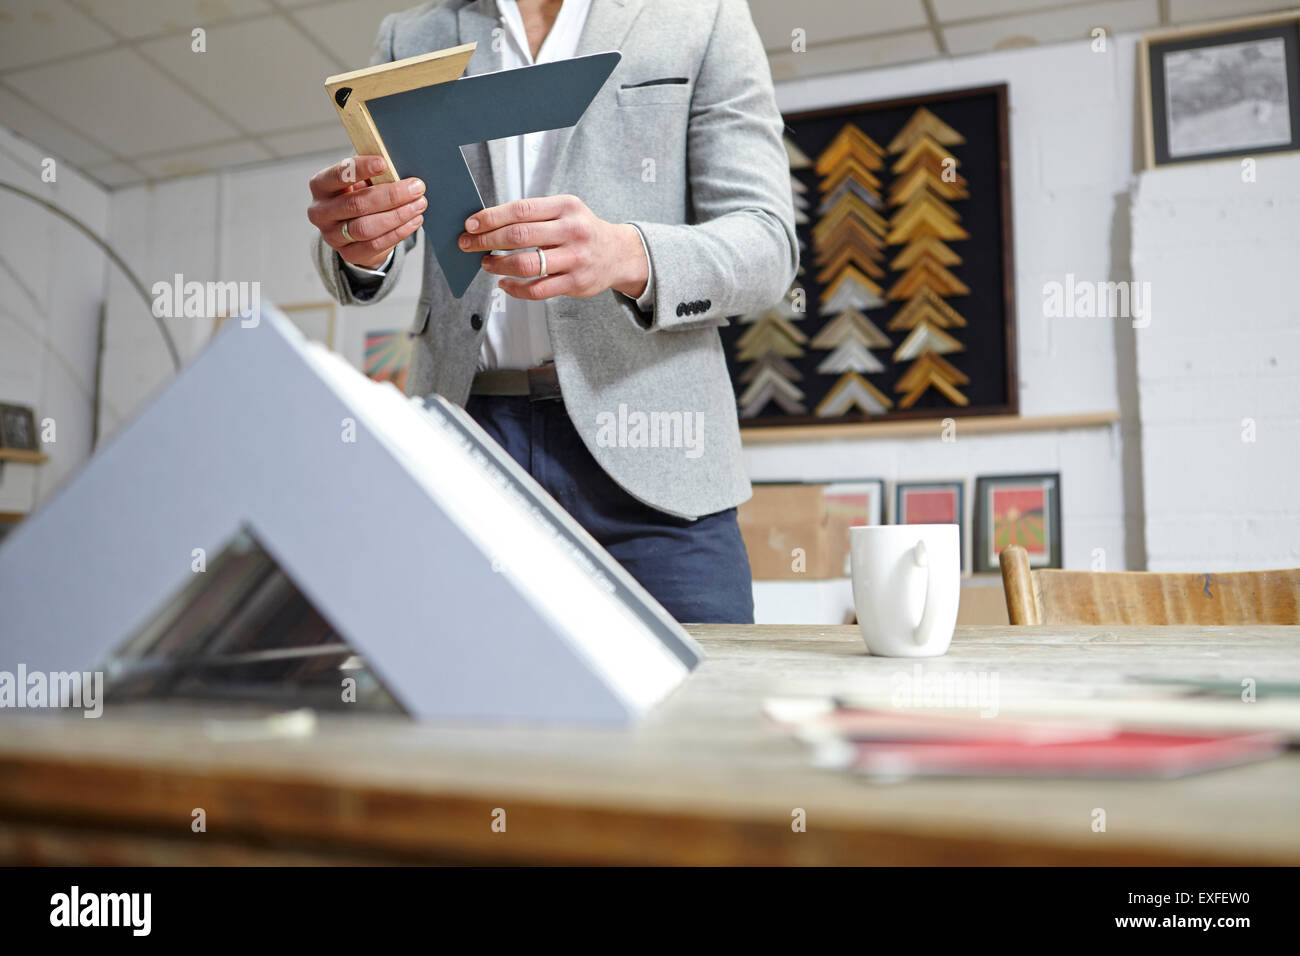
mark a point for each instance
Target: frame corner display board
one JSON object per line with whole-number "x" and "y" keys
{"x": 1221, "y": 90}
{"x": 903, "y": 306}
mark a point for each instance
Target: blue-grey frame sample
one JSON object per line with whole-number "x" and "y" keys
{"x": 424, "y": 129}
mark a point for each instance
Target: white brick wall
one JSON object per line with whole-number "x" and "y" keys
{"x": 1071, "y": 162}
{"x": 1223, "y": 346}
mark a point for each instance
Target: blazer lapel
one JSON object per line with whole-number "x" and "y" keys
{"x": 607, "y": 24}
{"x": 475, "y": 23}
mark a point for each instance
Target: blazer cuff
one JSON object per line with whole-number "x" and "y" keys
{"x": 678, "y": 294}
{"x": 646, "y": 301}
{"x": 349, "y": 285}
{"x": 361, "y": 272}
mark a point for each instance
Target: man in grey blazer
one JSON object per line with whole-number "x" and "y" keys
{"x": 590, "y": 348}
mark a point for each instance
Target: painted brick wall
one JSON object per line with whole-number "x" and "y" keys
{"x": 1219, "y": 365}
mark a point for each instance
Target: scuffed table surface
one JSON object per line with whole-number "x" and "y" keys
{"x": 706, "y": 779}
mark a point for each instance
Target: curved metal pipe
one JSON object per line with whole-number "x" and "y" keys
{"x": 112, "y": 255}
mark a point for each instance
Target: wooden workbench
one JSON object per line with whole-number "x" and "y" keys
{"x": 705, "y": 780}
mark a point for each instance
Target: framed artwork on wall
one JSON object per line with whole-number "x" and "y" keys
{"x": 18, "y": 428}
{"x": 387, "y": 356}
{"x": 1018, "y": 509}
{"x": 932, "y": 502}
{"x": 903, "y": 306}
{"x": 859, "y": 502}
{"x": 1223, "y": 90}
{"x": 318, "y": 321}
{"x": 853, "y": 504}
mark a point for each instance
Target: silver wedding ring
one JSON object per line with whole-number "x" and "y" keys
{"x": 542, "y": 254}
{"x": 344, "y": 229}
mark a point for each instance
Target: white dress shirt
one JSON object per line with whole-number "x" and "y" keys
{"x": 516, "y": 335}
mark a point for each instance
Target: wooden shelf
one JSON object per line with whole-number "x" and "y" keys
{"x": 974, "y": 425}
{"x": 25, "y": 457}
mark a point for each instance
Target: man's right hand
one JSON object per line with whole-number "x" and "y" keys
{"x": 377, "y": 217}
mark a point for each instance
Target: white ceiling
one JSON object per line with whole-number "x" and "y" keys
{"x": 113, "y": 87}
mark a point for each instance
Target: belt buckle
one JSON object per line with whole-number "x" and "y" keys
{"x": 542, "y": 384}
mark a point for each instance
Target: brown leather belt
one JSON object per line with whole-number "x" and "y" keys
{"x": 539, "y": 383}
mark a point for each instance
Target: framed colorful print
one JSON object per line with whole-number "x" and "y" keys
{"x": 387, "y": 356}
{"x": 932, "y": 502}
{"x": 1222, "y": 90}
{"x": 857, "y": 502}
{"x": 18, "y": 428}
{"x": 853, "y": 504}
{"x": 1018, "y": 509}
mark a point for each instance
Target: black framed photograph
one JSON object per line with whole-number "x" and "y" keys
{"x": 1018, "y": 509}
{"x": 18, "y": 428}
{"x": 1230, "y": 89}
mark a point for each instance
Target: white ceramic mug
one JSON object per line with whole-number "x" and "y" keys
{"x": 906, "y": 585}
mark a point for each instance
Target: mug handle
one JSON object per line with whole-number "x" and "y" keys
{"x": 921, "y": 558}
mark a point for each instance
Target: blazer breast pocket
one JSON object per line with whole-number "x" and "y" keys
{"x": 668, "y": 91}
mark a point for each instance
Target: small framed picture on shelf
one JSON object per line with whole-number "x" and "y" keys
{"x": 318, "y": 321}
{"x": 18, "y": 428}
{"x": 857, "y": 502}
{"x": 932, "y": 502}
{"x": 8, "y": 521}
{"x": 1018, "y": 509}
{"x": 1223, "y": 90}
{"x": 853, "y": 504}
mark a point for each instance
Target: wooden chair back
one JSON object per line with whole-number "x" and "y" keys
{"x": 1046, "y": 596}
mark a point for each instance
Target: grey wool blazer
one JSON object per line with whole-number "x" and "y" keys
{"x": 699, "y": 167}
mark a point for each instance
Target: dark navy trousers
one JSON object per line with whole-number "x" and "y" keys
{"x": 698, "y": 570}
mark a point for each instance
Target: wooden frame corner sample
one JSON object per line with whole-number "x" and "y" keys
{"x": 418, "y": 114}
{"x": 352, "y": 92}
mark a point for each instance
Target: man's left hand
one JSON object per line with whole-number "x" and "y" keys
{"x": 585, "y": 255}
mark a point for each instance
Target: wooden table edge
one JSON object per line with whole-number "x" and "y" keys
{"x": 323, "y": 817}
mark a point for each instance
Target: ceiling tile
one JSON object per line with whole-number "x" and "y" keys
{"x": 949, "y": 10}
{"x": 145, "y": 18}
{"x": 205, "y": 159}
{"x": 47, "y": 133}
{"x": 267, "y": 75}
{"x": 35, "y": 30}
{"x": 1072, "y": 23}
{"x": 120, "y": 100}
{"x": 1186, "y": 11}
{"x": 318, "y": 139}
{"x": 347, "y": 28}
{"x": 114, "y": 175}
{"x": 853, "y": 55}
{"x": 831, "y": 20}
